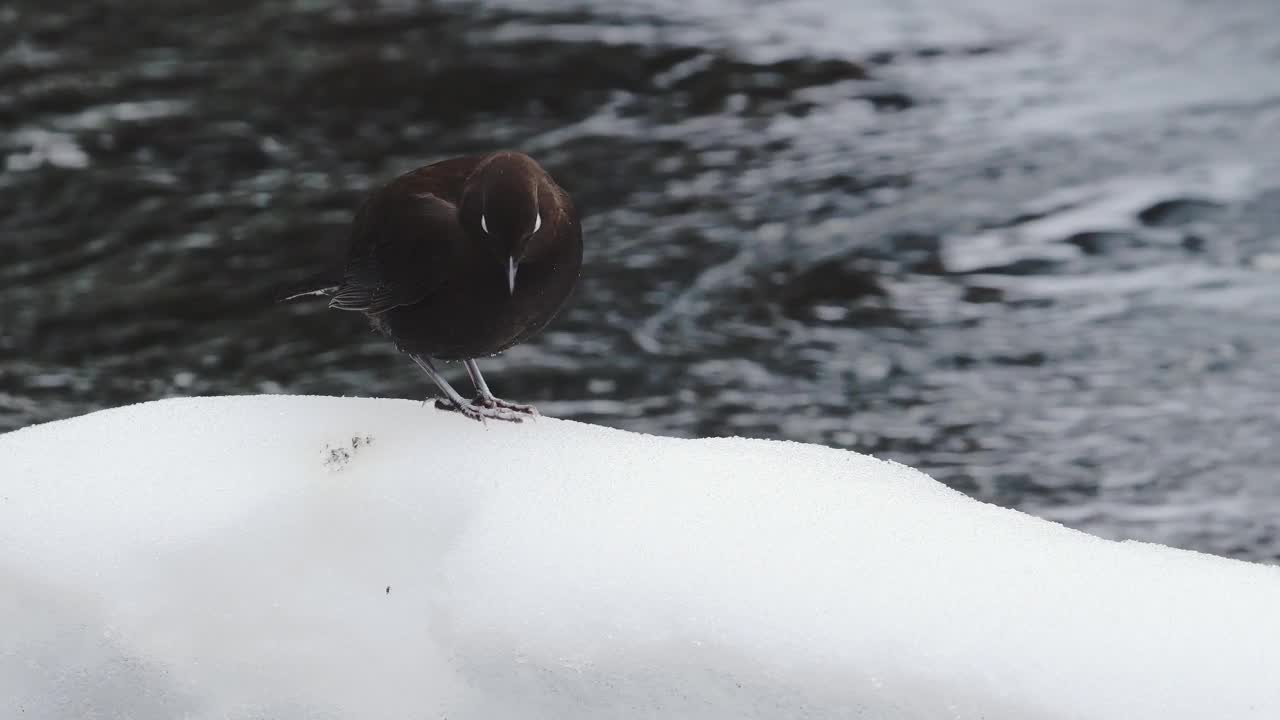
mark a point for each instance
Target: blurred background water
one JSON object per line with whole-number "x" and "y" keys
{"x": 1029, "y": 248}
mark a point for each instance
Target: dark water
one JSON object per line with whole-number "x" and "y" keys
{"x": 1030, "y": 248}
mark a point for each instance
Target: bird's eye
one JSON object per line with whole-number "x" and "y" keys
{"x": 537, "y": 222}
{"x": 483, "y": 225}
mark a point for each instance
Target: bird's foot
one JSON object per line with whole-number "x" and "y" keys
{"x": 493, "y": 402}
{"x": 480, "y": 412}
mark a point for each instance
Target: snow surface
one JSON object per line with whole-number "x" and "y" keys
{"x": 305, "y": 557}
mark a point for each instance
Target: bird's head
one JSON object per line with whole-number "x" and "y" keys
{"x": 502, "y": 210}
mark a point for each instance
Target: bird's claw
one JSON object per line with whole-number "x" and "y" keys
{"x": 480, "y": 412}
{"x": 499, "y": 403}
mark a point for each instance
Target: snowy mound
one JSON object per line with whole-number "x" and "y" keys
{"x": 301, "y": 557}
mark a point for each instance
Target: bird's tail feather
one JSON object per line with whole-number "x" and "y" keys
{"x": 323, "y": 285}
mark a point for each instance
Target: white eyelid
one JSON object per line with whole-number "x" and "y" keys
{"x": 483, "y": 225}
{"x": 537, "y": 222}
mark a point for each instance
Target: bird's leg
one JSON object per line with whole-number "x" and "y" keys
{"x": 486, "y": 397}
{"x": 454, "y": 401}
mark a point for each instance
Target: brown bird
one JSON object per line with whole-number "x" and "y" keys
{"x": 457, "y": 260}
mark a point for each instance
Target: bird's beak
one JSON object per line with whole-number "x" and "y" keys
{"x": 511, "y": 274}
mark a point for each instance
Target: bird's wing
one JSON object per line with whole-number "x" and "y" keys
{"x": 401, "y": 247}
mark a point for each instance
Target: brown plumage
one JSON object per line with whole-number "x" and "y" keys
{"x": 457, "y": 260}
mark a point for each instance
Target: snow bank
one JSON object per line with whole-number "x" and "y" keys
{"x": 304, "y": 557}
